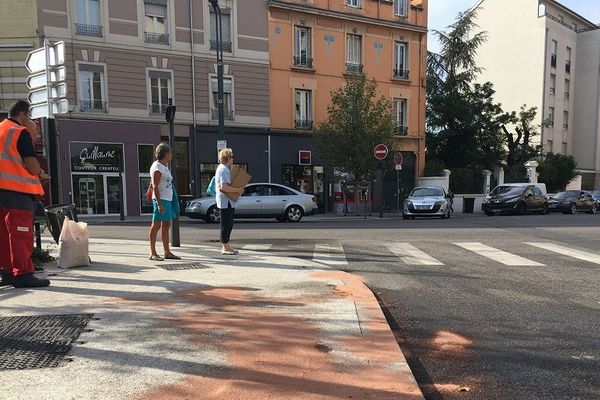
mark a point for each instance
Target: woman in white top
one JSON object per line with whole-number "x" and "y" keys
{"x": 162, "y": 199}
{"x": 224, "y": 203}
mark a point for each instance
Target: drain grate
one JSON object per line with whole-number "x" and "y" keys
{"x": 38, "y": 341}
{"x": 178, "y": 267}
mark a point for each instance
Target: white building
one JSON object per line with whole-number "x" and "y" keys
{"x": 533, "y": 55}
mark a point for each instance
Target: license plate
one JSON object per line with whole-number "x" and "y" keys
{"x": 423, "y": 207}
{"x": 553, "y": 205}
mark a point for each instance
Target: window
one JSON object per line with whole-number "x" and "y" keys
{"x": 564, "y": 148}
{"x": 303, "y": 54}
{"x": 567, "y": 89}
{"x": 303, "y": 109}
{"x": 269, "y": 190}
{"x": 552, "y": 84}
{"x": 354, "y": 54}
{"x": 401, "y": 62}
{"x": 565, "y": 120}
{"x": 91, "y": 88}
{"x": 155, "y": 30}
{"x": 208, "y": 170}
{"x": 400, "y": 116}
{"x": 550, "y": 146}
{"x": 160, "y": 91}
{"x": 145, "y": 160}
{"x": 227, "y": 98}
{"x": 568, "y": 61}
{"x": 88, "y": 18}
{"x": 553, "y": 56}
{"x": 225, "y": 28}
{"x": 353, "y": 3}
{"x": 401, "y": 7}
{"x": 252, "y": 191}
{"x": 551, "y": 117}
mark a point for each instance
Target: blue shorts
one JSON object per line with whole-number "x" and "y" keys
{"x": 167, "y": 215}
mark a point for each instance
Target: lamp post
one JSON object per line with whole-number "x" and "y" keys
{"x": 219, "y": 36}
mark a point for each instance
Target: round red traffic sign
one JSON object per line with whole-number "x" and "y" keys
{"x": 381, "y": 151}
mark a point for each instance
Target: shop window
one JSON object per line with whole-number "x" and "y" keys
{"x": 207, "y": 171}
{"x": 182, "y": 161}
{"x": 145, "y": 160}
{"x": 305, "y": 179}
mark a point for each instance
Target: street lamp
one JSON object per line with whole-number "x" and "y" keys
{"x": 219, "y": 35}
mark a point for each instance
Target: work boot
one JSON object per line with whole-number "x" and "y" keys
{"x": 7, "y": 278}
{"x": 29, "y": 281}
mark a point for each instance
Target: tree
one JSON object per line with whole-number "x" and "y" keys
{"x": 519, "y": 143}
{"x": 556, "y": 171}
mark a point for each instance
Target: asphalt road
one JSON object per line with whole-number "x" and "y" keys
{"x": 500, "y": 307}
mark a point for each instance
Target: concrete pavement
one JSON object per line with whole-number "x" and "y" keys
{"x": 255, "y": 326}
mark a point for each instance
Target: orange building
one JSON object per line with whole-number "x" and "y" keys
{"x": 313, "y": 44}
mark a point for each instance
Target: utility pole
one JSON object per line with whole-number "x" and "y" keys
{"x": 219, "y": 34}
{"x": 170, "y": 117}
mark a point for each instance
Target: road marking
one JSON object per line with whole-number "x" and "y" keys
{"x": 257, "y": 247}
{"x": 330, "y": 255}
{"x": 500, "y": 256}
{"x": 411, "y": 255}
{"x": 578, "y": 254}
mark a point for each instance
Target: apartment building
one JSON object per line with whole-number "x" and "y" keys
{"x": 314, "y": 44}
{"x": 125, "y": 59}
{"x": 534, "y": 51}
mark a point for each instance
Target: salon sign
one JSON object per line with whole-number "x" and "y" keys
{"x": 95, "y": 157}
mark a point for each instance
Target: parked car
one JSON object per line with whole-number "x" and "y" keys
{"x": 517, "y": 199}
{"x": 260, "y": 200}
{"x": 426, "y": 202}
{"x": 596, "y": 196}
{"x": 573, "y": 201}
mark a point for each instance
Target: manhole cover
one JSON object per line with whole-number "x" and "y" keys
{"x": 38, "y": 341}
{"x": 177, "y": 267}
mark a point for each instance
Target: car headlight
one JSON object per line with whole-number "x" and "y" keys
{"x": 408, "y": 203}
{"x": 440, "y": 203}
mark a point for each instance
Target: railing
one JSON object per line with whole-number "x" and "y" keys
{"x": 401, "y": 73}
{"x": 566, "y": 127}
{"x": 303, "y": 61}
{"x": 157, "y": 108}
{"x": 88, "y": 30}
{"x": 567, "y": 95}
{"x": 159, "y": 38}
{"x": 568, "y": 67}
{"x": 400, "y": 129}
{"x": 552, "y": 91}
{"x": 226, "y": 46}
{"x": 304, "y": 124}
{"x": 92, "y": 105}
{"x": 355, "y": 68}
{"x": 553, "y": 60}
{"x": 229, "y": 115}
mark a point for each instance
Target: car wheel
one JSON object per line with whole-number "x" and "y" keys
{"x": 573, "y": 209}
{"x": 544, "y": 210}
{"x": 294, "y": 214}
{"x": 213, "y": 215}
{"x": 404, "y": 216}
{"x": 594, "y": 210}
{"x": 521, "y": 208}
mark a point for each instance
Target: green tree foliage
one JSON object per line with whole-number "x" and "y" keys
{"x": 357, "y": 122}
{"x": 519, "y": 142}
{"x": 556, "y": 171}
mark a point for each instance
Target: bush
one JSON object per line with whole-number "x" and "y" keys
{"x": 466, "y": 180}
{"x": 556, "y": 171}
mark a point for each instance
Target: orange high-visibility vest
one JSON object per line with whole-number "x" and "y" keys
{"x": 13, "y": 174}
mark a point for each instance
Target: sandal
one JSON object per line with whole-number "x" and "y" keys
{"x": 172, "y": 256}
{"x": 229, "y": 252}
{"x": 155, "y": 257}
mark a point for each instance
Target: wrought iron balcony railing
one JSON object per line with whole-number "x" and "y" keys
{"x": 88, "y": 30}
{"x": 229, "y": 115}
{"x": 401, "y": 73}
{"x": 552, "y": 91}
{"x": 355, "y": 68}
{"x": 303, "y": 61}
{"x": 567, "y": 95}
{"x": 304, "y": 124}
{"x": 157, "y": 108}
{"x": 226, "y": 46}
{"x": 401, "y": 130}
{"x": 92, "y": 106}
{"x": 153, "y": 37}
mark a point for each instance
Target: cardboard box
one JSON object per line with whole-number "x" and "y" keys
{"x": 239, "y": 179}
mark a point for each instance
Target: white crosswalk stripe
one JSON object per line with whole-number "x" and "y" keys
{"x": 497, "y": 255}
{"x": 257, "y": 247}
{"x": 565, "y": 251}
{"x": 332, "y": 255}
{"x": 411, "y": 255}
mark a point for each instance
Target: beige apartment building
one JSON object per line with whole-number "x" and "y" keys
{"x": 534, "y": 54}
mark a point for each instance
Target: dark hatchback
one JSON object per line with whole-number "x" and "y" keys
{"x": 516, "y": 200}
{"x": 573, "y": 201}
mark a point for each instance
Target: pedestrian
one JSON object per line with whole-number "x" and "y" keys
{"x": 164, "y": 201}
{"x": 224, "y": 203}
{"x": 450, "y": 197}
{"x": 20, "y": 188}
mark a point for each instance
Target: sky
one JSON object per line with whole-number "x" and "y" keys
{"x": 443, "y": 12}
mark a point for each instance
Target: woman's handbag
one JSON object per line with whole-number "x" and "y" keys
{"x": 149, "y": 192}
{"x": 211, "y": 190}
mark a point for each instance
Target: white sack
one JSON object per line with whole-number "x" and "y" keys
{"x": 73, "y": 245}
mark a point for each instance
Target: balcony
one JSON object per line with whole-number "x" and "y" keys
{"x": 228, "y": 114}
{"x": 354, "y": 68}
{"x": 553, "y": 60}
{"x": 401, "y": 73}
{"x": 226, "y": 46}
{"x": 400, "y": 129}
{"x": 157, "y": 109}
{"x": 568, "y": 67}
{"x": 88, "y": 30}
{"x": 92, "y": 106}
{"x": 552, "y": 91}
{"x": 304, "y": 124}
{"x": 303, "y": 62}
{"x": 158, "y": 38}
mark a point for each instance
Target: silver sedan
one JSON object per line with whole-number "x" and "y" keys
{"x": 426, "y": 202}
{"x": 260, "y": 200}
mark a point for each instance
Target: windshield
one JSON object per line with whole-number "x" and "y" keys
{"x": 426, "y": 192}
{"x": 508, "y": 191}
{"x": 565, "y": 195}
{"x": 596, "y": 193}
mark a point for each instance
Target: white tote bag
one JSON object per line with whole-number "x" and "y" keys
{"x": 73, "y": 247}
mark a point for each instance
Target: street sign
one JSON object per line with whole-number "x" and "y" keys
{"x": 41, "y": 95}
{"x": 398, "y": 167}
{"x": 398, "y": 159}
{"x": 36, "y": 59}
{"x": 381, "y": 151}
{"x": 304, "y": 157}
{"x": 39, "y": 80}
{"x": 41, "y": 110}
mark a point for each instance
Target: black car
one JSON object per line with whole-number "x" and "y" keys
{"x": 573, "y": 201}
{"x": 596, "y": 196}
{"x": 515, "y": 199}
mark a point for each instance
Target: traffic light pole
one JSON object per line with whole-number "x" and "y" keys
{"x": 170, "y": 116}
{"x": 220, "y": 105}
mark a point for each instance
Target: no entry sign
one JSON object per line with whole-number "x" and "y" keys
{"x": 381, "y": 151}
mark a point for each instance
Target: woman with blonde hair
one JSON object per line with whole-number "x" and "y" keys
{"x": 224, "y": 203}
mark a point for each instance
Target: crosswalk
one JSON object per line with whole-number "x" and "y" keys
{"x": 415, "y": 254}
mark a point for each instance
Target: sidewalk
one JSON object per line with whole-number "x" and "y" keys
{"x": 259, "y": 326}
